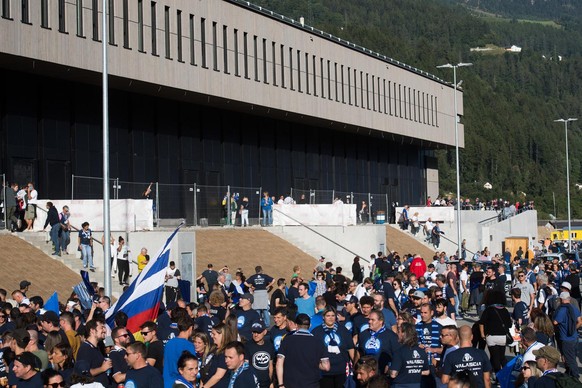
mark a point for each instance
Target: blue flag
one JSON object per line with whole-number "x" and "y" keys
{"x": 52, "y": 304}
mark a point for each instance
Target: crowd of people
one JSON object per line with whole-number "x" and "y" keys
{"x": 20, "y": 205}
{"x": 400, "y": 326}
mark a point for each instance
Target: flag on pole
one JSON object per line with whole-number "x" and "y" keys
{"x": 52, "y": 304}
{"x": 141, "y": 301}
{"x": 84, "y": 291}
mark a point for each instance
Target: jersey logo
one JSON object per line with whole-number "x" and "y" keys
{"x": 240, "y": 321}
{"x": 364, "y": 327}
{"x": 349, "y": 326}
{"x": 277, "y": 342}
{"x": 328, "y": 337}
{"x": 372, "y": 346}
{"x": 261, "y": 360}
{"x": 415, "y": 354}
{"x": 467, "y": 357}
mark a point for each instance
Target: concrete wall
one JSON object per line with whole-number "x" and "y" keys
{"x": 362, "y": 240}
{"x": 245, "y": 57}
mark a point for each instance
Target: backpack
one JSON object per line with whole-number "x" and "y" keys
{"x": 553, "y": 303}
{"x": 563, "y": 380}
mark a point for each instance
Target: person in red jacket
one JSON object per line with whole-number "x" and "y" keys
{"x": 418, "y": 266}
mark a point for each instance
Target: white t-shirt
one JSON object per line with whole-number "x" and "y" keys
{"x": 33, "y": 199}
{"x": 465, "y": 277}
{"x": 173, "y": 280}
{"x": 528, "y": 355}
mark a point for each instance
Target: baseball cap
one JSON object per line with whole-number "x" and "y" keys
{"x": 567, "y": 285}
{"x": 565, "y": 295}
{"x": 418, "y": 294}
{"x": 29, "y": 359}
{"x": 50, "y": 316}
{"x": 549, "y": 353}
{"x": 248, "y": 297}
{"x": 24, "y": 284}
{"x": 258, "y": 327}
{"x": 352, "y": 299}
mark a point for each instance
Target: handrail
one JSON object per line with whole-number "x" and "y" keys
{"x": 73, "y": 227}
{"x": 321, "y": 235}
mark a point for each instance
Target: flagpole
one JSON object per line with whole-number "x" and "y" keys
{"x": 106, "y": 226}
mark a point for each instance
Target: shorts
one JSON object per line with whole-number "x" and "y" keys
{"x": 30, "y": 213}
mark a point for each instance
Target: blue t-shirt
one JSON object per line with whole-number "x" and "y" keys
{"x": 566, "y": 318}
{"x": 259, "y": 281}
{"x": 520, "y": 310}
{"x": 382, "y": 345}
{"x": 337, "y": 342}
{"x": 306, "y": 306}
{"x": 146, "y": 377}
{"x": 245, "y": 320}
{"x": 172, "y": 353}
{"x": 409, "y": 363}
{"x": 85, "y": 236}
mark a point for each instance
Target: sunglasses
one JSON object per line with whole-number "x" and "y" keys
{"x": 145, "y": 332}
{"x": 123, "y": 335}
{"x": 56, "y": 385}
{"x": 525, "y": 368}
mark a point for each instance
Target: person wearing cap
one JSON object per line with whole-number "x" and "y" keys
{"x": 246, "y": 316}
{"x": 24, "y": 285}
{"x": 340, "y": 347}
{"x": 301, "y": 357}
{"x": 567, "y": 320}
{"x": 260, "y": 355}
{"x": 547, "y": 359}
{"x": 27, "y": 371}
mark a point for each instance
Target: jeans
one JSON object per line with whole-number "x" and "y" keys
{"x": 244, "y": 218}
{"x": 55, "y": 237}
{"x": 569, "y": 352}
{"x": 266, "y": 316}
{"x": 87, "y": 255}
{"x": 457, "y": 302}
{"x": 65, "y": 239}
{"x": 267, "y": 217}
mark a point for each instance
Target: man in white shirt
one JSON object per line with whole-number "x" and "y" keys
{"x": 529, "y": 344}
{"x": 32, "y": 201}
{"x": 172, "y": 277}
{"x": 428, "y": 225}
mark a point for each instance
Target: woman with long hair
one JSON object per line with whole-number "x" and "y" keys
{"x": 188, "y": 370}
{"x": 409, "y": 350}
{"x": 231, "y": 322}
{"x": 202, "y": 347}
{"x": 400, "y": 296}
{"x": 494, "y": 327}
{"x": 221, "y": 335}
{"x": 53, "y": 338}
{"x": 320, "y": 284}
{"x": 61, "y": 357}
{"x": 216, "y": 301}
{"x": 544, "y": 329}
{"x": 529, "y": 374}
{"x": 357, "y": 270}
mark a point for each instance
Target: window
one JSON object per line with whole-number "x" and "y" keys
{"x": 167, "y": 32}
{"x": 384, "y": 85}
{"x": 6, "y": 9}
{"x": 291, "y": 68}
{"x": 367, "y": 91}
{"x": 399, "y": 100}
{"x": 62, "y": 18}
{"x": 373, "y": 92}
{"x": 154, "y": 28}
{"x": 329, "y": 80}
{"x": 423, "y": 115}
{"x": 95, "y": 19}
{"x": 418, "y": 105}
{"x": 246, "y": 55}
{"x": 379, "y": 95}
{"x": 307, "y": 73}
{"x": 179, "y": 34}
{"x": 111, "y": 21}
{"x": 126, "y": 24}
{"x": 299, "y": 71}
{"x": 362, "y": 89}
{"x": 343, "y": 86}
{"x": 225, "y": 48}
{"x": 322, "y": 77}
{"x": 432, "y": 110}
{"x": 390, "y": 97}
{"x": 265, "y": 80}
{"x": 395, "y": 99}
{"x": 436, "y": 111}
{"x": 236, "y": 53}
{"x": 140, "y": 26}
{"x": 349, "y": 85}
{"x": 282, "y": 66}
{"x": 26, "y": 13}
{"x": 355, "y": 88}
{"x": 256, "y": 57}
{"x": 405, "y": 101}
{"x": 274, "y": 61}
{"x": 414, "y": 104}
{"x": 203, "y": 41}
{"x": 314, "y": 76}
{"x": 192, "y": 41}
{"x": 44, "y": 13}
{"x": 409, "y": 105}
{"x": 214, "y": 47}
{"x": 335, "y": 79}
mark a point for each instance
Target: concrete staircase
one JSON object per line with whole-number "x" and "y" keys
{"x": 311, "y": 250}
{"x": 73, "y": 260}
{"x": 404, "y": 242}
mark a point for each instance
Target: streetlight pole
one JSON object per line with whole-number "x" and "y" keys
{"x": 106, "y": 220}
{"x": 454, "y": 67}
{"x": 566, "y": 121}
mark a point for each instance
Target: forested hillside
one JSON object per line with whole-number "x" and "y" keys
{"x": 511, "y": 100}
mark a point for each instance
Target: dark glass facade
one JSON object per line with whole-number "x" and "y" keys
{"x": 51, "y": 128}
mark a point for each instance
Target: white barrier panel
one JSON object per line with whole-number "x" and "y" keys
{"x": 127, "y": 215}
{"x": 436, "y": 213}
{"x": 312, "y": 215}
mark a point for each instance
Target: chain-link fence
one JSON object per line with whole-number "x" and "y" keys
{"x": 371, "y": 208}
